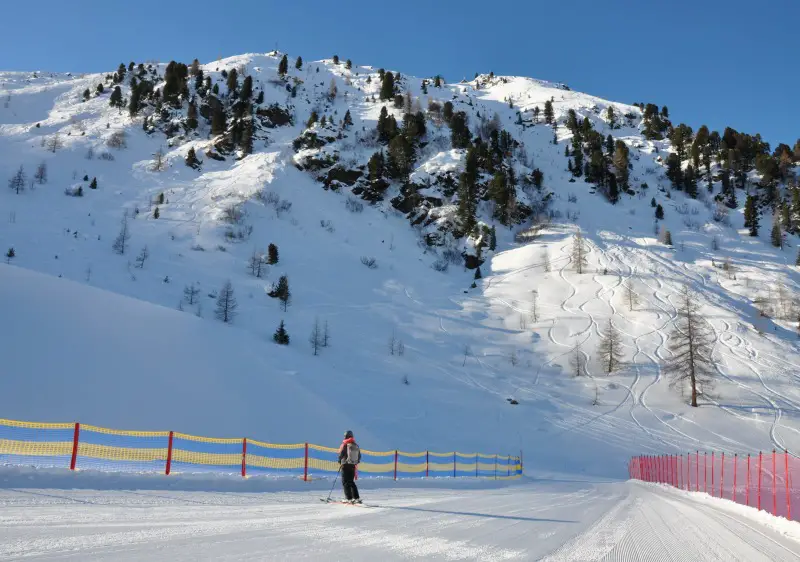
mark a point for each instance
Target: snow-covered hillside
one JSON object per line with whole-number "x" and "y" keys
{"x": 466, "y": 351}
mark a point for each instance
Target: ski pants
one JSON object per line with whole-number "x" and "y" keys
{"x": 349, "y": 481}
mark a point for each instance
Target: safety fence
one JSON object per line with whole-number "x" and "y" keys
{"x": 763, "y": 480}
{"x": 78, "y": 446}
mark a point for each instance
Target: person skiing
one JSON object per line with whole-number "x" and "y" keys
{"x": 349, "y": 457}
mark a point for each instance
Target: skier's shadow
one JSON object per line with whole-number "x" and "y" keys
{"x": 474, "y": 514}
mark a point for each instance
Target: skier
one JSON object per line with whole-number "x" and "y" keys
{"x": 349, "y": 457}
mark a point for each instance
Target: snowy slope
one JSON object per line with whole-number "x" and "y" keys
{"x": 180, "y": 372}
{"x": 556, "y": 521}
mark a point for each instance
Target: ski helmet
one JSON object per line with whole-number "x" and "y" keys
{"x": 348, "y": 434}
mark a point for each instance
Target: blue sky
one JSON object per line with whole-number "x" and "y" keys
{"x": 722, "y": 63}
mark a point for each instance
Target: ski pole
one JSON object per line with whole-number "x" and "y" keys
{"x": 334, "y": 483}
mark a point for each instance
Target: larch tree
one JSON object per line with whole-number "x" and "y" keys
{"x": 630, "y": 295}
{"x": 579, "y": 260}
{"x": 226, "y": 304}
{"x": 610, "y": 348}
{"x": 691, "y": 346}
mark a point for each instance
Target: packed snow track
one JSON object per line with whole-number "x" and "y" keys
{"x": 544, "y": 520}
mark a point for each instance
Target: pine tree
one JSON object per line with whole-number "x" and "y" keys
{"x": 751, "y": 215}
{"x": 298, "y": 64}
{"x": 691, "y": 343}
{"x": 281, "y": 291}
{"x": 387, "y": 86}
{"x": 191, "y": 159}
{"x": 776, "y": 236}
{"x": 478, "y": 274}
{"x": 313, "y": 118}
{"x": 86, "y": 94}
{"x": 621, "y": 163}
{"x": 93, "y": 184}
{"x": 218, "y": 121}
{"x": 611, "y": 117}
{"x": 272, "y": 254}
{"x": 667, "y": 238}
{"x": 10, "y": 255}
{"x": 135, "y": 102}
{"x": 610, "y": 348}
{"x": 226, "y": 304}
{"x": 347, "y": 122}
{"x": 281, "y": 337}
{"x": 659, "y": 212}
{"x": 247, "y": 88}
{"x": 116, "y": 98}
{"x": 492, "y": 239}
{"x": 349, "y": 64}
{"x": 156, "y": 213}
{"x": 283, "y": 66}
{"x": 579, "y": 260}
{"x": 797, "y": 261}
{"x": 548, "y": 112}
{"x": 233, "y": 81}
{"x": 459, "y": 131}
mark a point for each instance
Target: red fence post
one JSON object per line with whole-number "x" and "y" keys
{"x": 697, "y": 471}
{"x": 675, "y": 471}
{"x": 786, "y": 477}
{"x": 705, "y": 472}
{"x": 712, "y": 473}
{"x": 774, "y": 486}
{"x": 169, "y": 455}
{"x": 427, "y": 464}
{"x": 305, "y": 464}
{"x": 759, "y": 480}
{"x": 680, "y": 472}
{"x": 395, "y": 464}
{"x": 735, "y": 465}
{"x": 75, "y": 438}
{"x": 688, "y": 470}
{"x": 244, "y": 457}
{"x": 747, "y": 490}
{"x": 722, "y": 474}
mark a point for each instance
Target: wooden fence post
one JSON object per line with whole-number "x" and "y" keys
{"x": 75, "y": 438}
{"x": 169, "y": 454}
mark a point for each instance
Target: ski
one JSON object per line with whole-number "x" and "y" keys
{"x": 342, "y": 502}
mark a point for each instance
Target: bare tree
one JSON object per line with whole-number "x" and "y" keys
{"x": 190, "y": 293}
{"x": 316, "y": 337}
{"x": 54, "y": 143}
{"x": 630, "y": 295}
{"x": 546, "y": 261}
{"x": 393, "y": 343}
{"x": 226, "y": 303}
{"x": 118, "y": 140}
{"x": 513, "y": 358}
{"x": 691, "y": 346}
{"x": 326, "y": 337}
{"x": 141, "y": 258}
{"x": 256, "y": 263}
{"x": 577, "y": 361}
{"x": 610, "y": 348}
{"x": 41, "y": 173}
{"x": 159, "y": 164}
{"x": 121, "y": 243}
{"x": 467, "y": 353}
{"x": 17, "y": 181}
{"x": 535, "y": 305}
{"x": 579, "y": 252}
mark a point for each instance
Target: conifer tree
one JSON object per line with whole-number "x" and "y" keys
{"x": 93, "y": 184}
{"x": 10, "y": 255}
{"x": 272, "y": 254}
{"x": 281, "y": 336}
{"x": 191, "y": 159}
{"x": 459, "y": 131}
{"x": 247, "y": 88}
{"x": 18, "y": 181}
{"x": 776, "y": 236}
{"x": 659, "y": 212}
{"x": 283, "y": 66}
{"x": 667, "y": 238}
{"x": 86, "y": 94}
{"x": 621, "y": 163}
{"x": 233, "y": 81}
{"x": 387, "y": 86}
{"x": 116, "y": 98}
{"x": 751, "y": 215}
{"x": 548, "y": 112}
{"x": 218, "y": 122}
{"x": 191, "y": 116}
{"x": 349, "y": 64}
{"x": 312, "y": 119}
{"x": 298, "y": 63}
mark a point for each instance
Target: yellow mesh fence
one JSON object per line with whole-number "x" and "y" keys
{"x": 114, "y": 449}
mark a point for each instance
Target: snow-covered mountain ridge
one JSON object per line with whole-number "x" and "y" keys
{"x": 382, "y": 208}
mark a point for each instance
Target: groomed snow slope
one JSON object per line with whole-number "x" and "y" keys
{"x": 46, "y": 517}
{"x": 110, "y": 360}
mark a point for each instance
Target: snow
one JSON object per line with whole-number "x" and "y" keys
{"x": 45, "y": 516}
{"x": 86, "y": 336}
